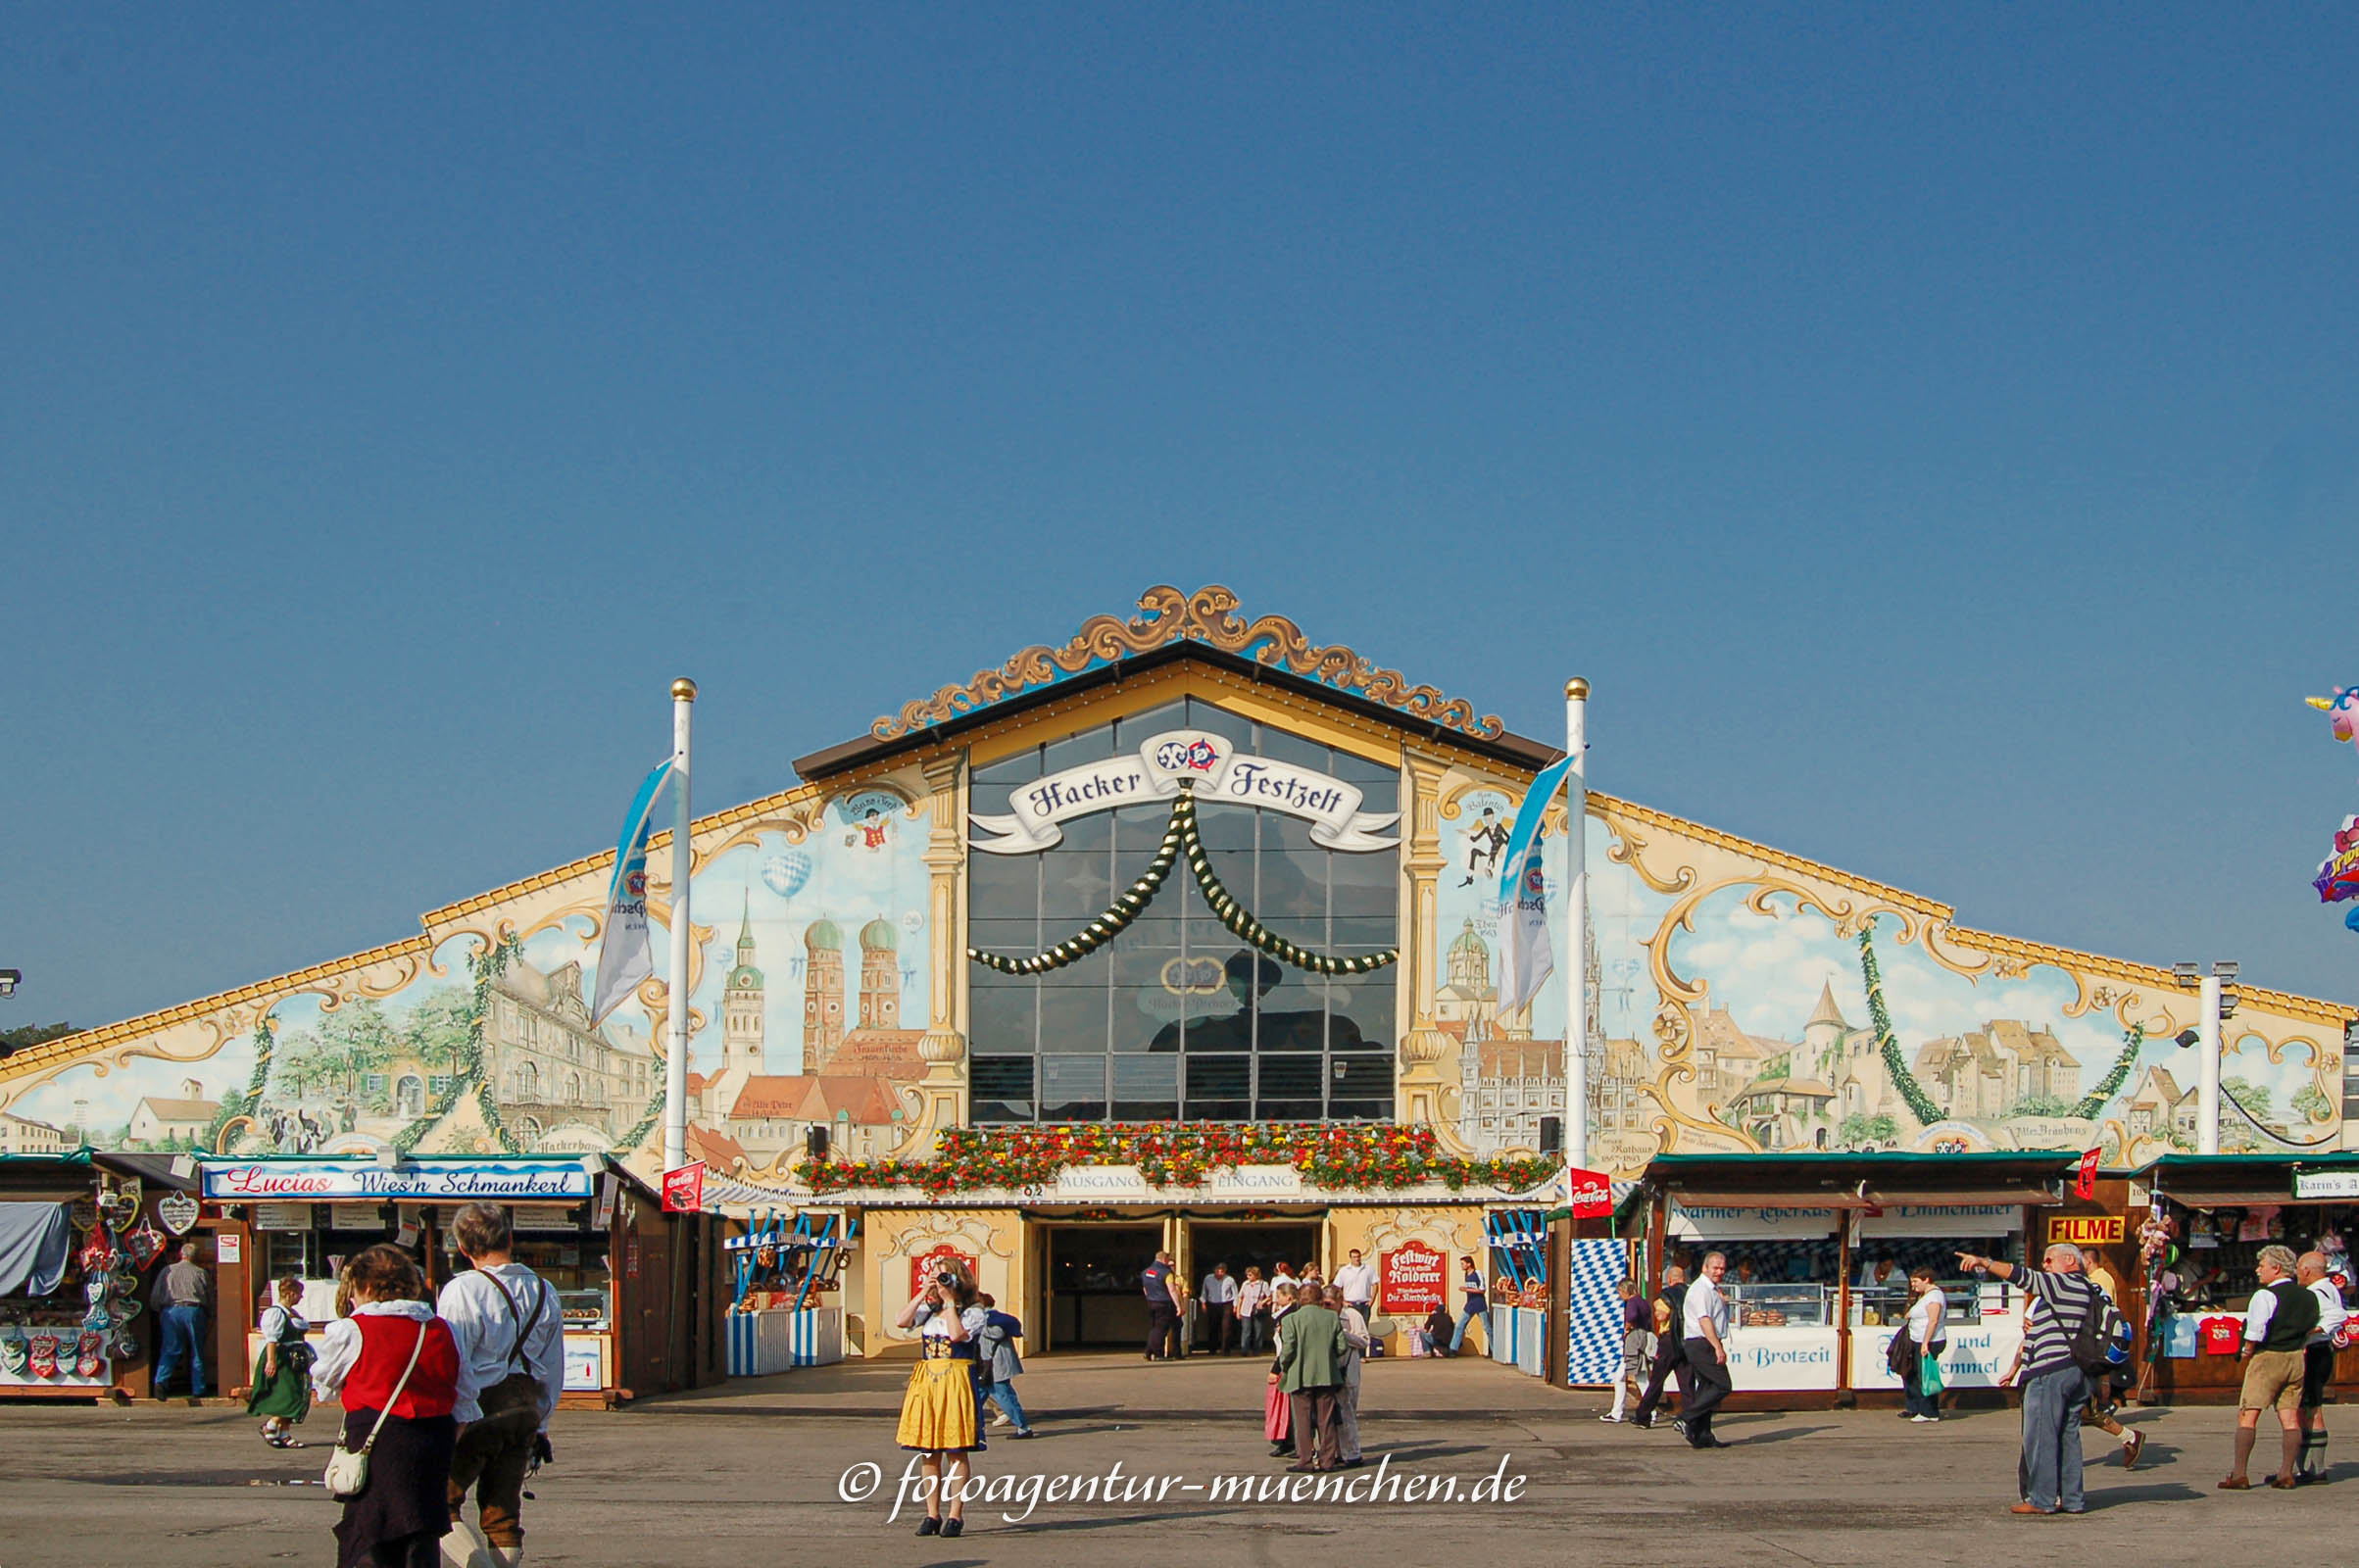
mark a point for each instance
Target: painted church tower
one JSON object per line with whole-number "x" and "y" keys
{"x": 822, "y": 993}
{"x": 741, "y": 1003}
{"x": 880, "y": 976}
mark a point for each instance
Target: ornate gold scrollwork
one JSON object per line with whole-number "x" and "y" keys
{"x": 1209, "y": 616}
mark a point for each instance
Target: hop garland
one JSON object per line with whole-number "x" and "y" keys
{"x": 1182, "y": 1155}
{"x": 2134, "y": 1039}
{"x": 1181, "y": 838}
{"x": 1920, "y": 1104}
{"x": 1106, "y": 926}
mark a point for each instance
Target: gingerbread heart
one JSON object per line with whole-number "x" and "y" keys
{"x": 43, "y": 1357}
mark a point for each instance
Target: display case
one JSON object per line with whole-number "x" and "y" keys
{"x": 584, "y": 1310}
{"x": 1778, "y": 1307}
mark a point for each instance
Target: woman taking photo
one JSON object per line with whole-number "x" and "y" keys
{"x": 939, "y": 1414}
{"x": 396, "y": 1368}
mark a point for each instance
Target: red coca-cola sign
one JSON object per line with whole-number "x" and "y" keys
{"x": 684, "y": 1190}
{"x": 1412, "y": 1279}
{"x": 1590, "y": 1193}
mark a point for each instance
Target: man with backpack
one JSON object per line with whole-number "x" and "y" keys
{"x": 510, "y": 1333}
{"x": 1670, "y": 1351}
{"x": 2065, "y": 1337}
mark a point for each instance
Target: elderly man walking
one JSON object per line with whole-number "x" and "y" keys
{"x": 2318, "y": 1363}
{"x": 1670, "y": 1351}
{"x": 1704, "y": 1322}
{"x": 2062, "y": 1300}
{"x": 2276, "y": 1326}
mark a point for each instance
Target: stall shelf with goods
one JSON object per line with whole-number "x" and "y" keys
{"x": 1802, "y": 1231}
{"x": 642, "y": 1292}
{"x": 2210, "y": 1218}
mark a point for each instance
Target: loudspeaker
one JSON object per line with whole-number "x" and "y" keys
{"x": 814, "y": 1142}
{"x": 1552, "y": 1135}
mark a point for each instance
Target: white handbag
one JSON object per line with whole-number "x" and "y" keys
{"x": 347, "y": 1474}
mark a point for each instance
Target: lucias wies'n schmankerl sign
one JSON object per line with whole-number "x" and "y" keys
{"x": 1213, "y": 768}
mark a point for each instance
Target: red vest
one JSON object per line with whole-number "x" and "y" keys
{"x": 385, "y": 1344}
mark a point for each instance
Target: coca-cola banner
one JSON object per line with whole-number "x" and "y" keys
{"x": 1412, "y": 1279}
{"x": 1591, "y": 1193}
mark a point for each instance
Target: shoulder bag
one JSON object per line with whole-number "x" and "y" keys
{"x": 348, "y": 1468}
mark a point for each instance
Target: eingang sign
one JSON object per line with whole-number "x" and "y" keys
{"x": 457, "y": 1181}
{"x": 1213, "y": 770}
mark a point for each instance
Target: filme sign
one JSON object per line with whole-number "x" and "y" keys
{"x": 1213, "y": 767}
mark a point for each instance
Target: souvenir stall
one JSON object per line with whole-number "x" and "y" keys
{"x": 1819, "y": 1250}
{"x": 641, "y": 1289}
{"x": 1517, "y": 1243}
{"x": 76, "y": 1251}
{"x": 786, "y": 1307}
{"x": 2204, "y": 1221}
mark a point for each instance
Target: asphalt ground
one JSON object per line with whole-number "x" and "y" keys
{"x": 756, "y": 1474}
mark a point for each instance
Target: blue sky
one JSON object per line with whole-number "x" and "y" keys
{"x": 1934, "y": 434}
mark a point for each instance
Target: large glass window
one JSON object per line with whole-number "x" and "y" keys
{"x": 1176, "y": 1017}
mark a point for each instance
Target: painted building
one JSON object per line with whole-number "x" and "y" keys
{"x": 1186, "y": 869}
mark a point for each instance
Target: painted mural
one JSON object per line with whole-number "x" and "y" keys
{"x": 1737, "y": 998}
{"x": 1730, "y": 1008}
{"x": 809, "y": 993}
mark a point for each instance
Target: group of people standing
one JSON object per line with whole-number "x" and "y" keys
{"x": 1312, "y": 1404}
{"x": 447, "y": 1397}
{"x": 1239, "y": 1316}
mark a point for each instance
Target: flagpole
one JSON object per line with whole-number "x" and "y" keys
{"x": 675, "y": 1061}
{"x": 1576, "y": 933}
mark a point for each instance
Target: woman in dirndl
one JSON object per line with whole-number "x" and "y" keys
{"x": 940, "y": 1414}
{"x": 282, "y": 1393}
{"x": 1277, "y": 1410}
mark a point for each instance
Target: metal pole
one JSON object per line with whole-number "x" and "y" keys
{"x": 1575, "y": 926}
{"x": 2207, "y": 1067}
{"x": 675, "y": 1061}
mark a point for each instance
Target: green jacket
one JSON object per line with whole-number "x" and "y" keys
{"x": 1311, "y": 1350}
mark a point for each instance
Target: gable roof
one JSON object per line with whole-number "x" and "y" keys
{"x": 1173, "y": 626}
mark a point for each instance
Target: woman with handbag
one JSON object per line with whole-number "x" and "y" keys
{"x": 393, "y": 1366}
{"x": 1928, "y": 1334}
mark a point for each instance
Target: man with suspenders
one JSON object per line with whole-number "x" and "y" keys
{"x": 512, "y": 1363}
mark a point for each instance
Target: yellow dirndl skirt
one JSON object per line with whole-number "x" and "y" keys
{"x": 939, "y": 1409}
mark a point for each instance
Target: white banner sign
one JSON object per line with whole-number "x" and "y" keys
{"x": 1965, "y": 1221}
{"x": 1218, "y": 773}
{"x": 2326, "y": 1183}
{"x": 1749, "y": 1224}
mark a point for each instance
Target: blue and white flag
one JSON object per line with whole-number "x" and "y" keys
{"x": 1526, "y": 958}
{"x": 624, "y": 959}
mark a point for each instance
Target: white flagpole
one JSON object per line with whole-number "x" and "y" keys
{"x": 675, "y": 1061}
{"x": 1575, "y": 926}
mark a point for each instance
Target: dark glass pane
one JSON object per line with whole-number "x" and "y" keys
{"x": 1003, "y": 1018}
{"x": 1359, "y": 1111}
{"x": 1072, "y": 1087}
{"x": 1359, "y": 1077}
{"x": 1362, "y": 934}
{"x": 1090, "y": 746}
{"x": 1146, "y": 1079}
{"x": 1084, "y": 973}
{"x": 1003, "y": 887}
{"x": 1205, "y": 716}
{"x": 1002, "y": 1077}
{"x": 1226, "y": 827}
{"x": 1380, "y": 780}
{"x": 1219, "y": 1110}
{"x": 1072, "y": 1020}
{"x": 1077, "y": 877}
{"x": 1288, "y": 1110}
{"x": 1366, "y": 884}
{"x": 1280, "y": 746}
{"x": 1219, "y": 1078}
{"x": 998, "y": 1112}
{"x": 1292, "y": 1078}
{"x": 1130, "y": 733}
{"x": 1017, "y": 939}
{"x": 1015, "y": 768}
{"x": 1293, "y": 1014}
{"x": 1146, "y": 1019}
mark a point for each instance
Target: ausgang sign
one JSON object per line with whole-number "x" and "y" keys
{"x": 1215, "y": 768}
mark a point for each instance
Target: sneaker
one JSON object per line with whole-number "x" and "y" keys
{"x": 1003, "y": 1419}
{"x": 1924, "y": 1419}
{"x": 1614, "y": 1420}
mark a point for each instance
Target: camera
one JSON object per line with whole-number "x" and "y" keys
{"x": 947, "y": 1280}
